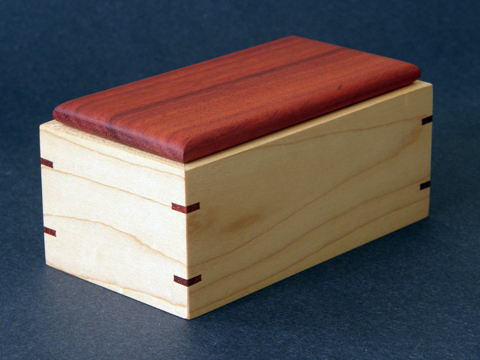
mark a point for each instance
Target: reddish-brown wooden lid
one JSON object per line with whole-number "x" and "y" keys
{"x": 196, "y": 111}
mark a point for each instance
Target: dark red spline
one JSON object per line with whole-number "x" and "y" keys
{"x": 186, "y": 282}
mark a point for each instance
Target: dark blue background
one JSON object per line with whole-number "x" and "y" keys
{"x": 414, "y": 294}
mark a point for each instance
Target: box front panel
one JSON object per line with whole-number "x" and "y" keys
{"x": 288, "y": 201}
{"x": 109, "y": 220}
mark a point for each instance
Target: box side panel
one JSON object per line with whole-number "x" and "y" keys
{"x": 108, "y": 217}
{"x": 299, "y": 197}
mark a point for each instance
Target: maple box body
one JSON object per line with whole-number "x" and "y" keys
{"x": 193, "y": 188}
{"x": 190, "y": 237}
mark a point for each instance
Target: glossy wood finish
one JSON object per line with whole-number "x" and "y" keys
{"x": 199, "y": 110}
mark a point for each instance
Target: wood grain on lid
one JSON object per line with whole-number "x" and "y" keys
{"x": 196, "y": 111}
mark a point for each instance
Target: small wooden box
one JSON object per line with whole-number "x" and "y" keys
{"x": 191, "y": 189}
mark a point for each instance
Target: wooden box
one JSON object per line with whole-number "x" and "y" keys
{"x": 196, "y": 187}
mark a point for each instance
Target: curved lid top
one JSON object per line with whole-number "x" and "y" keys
{"x": 201, "y": 109}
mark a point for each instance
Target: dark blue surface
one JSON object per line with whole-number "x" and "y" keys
{"x": 414, "y": 294}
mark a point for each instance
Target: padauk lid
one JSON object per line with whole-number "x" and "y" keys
{"x": 201, "y": 109}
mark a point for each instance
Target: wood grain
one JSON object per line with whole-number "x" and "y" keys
{"x": 306, "y": 194}
{"x": 111, "y": 208}
{"x": 196, "y": 111}
{"x": 269, "y": 208}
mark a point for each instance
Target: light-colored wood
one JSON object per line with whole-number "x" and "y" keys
{"x": 286, "y": 202}
{"x": 110, "y": 206}
{"x": 269, "y": 208}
